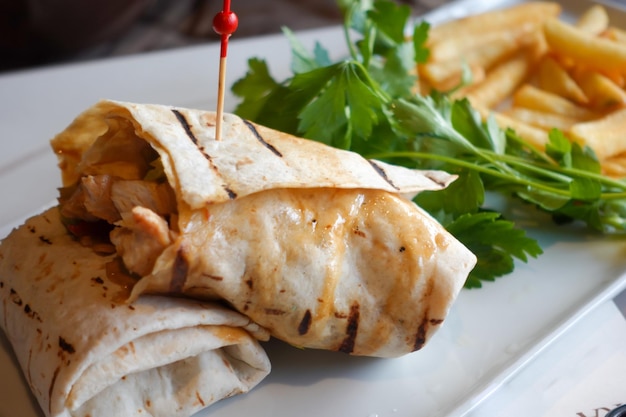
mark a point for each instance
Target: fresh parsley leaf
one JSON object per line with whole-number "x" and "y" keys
{"x": 465, "y": 195}
{"x": 469, "y": 124}
{"x": 570, "y": 154}
{"x": 420, "y": 36}
{"x": 255, "y": 88}
{"x": 394, "y": 74}
{"x": 337, "y": 101}
{"x": 302, "y": 60}
{"x": 330, "y": 105}
{"x": 495, "y": 242}
{"x": 390, "y": 19}
{"x": 355, "y": 13}
{"x": 559, "y": 148}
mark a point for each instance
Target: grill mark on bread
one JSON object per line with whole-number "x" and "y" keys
{"x": 420, "y": 338}
{"x": 231, "y": 194}
{"x": 434, "y": 179}
{"x": 260, "y": 139}
{"x": 347, "y": 346}
{"x": 4, "y": 310}
{"x": 305, "y": 323}
{"x": 187, "y": 127}
{"x": 67, "y": 347}
{"x": 32, "y": 314}
{"x": 185, "y": 124}
{"x": 52, "y": 383}
{"x": 17, "y": 300}
{"x": 212, "y": 277}
{"x": 274, "y": 312}
{"x": 422, "y": 329}
{"x": 380, "y": 171}
{"x": 45, "y": 240}
{"x": 200, "y": 400}
{"x": 28, "y": 376}
{"x": 179, "y": 272}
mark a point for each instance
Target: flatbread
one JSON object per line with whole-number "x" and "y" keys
{"x": 84, "y": 351}
{"x": 320, "y": 246}
{"x": 249, "y": 158}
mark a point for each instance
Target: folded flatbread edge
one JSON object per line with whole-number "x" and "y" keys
{"x": 85, "y": 351}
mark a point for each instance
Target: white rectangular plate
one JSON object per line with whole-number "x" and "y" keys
{"x": 490, "y": 334}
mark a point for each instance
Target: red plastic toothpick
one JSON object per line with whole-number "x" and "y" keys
{"x": 225, "y": 24}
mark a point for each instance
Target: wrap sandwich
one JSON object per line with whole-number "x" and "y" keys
{"x": 321, "y": 247}
{"x": 84, "y": 351}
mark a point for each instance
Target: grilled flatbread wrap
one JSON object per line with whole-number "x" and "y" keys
{"x": 320, "y": 246}
{"x": 85, "y": 352}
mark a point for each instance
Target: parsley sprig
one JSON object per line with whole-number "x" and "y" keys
{"x": 367, "y": 103}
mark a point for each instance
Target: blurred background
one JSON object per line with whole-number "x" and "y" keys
{"x": 42, "y": 32}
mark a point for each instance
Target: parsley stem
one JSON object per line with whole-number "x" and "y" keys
{"x": 558, "y": 172}
{"x": 346, "y": 31}
{"x": 511, "y": 136}
{"x": 472, "y": 166}
{"x": 532, "y": 184}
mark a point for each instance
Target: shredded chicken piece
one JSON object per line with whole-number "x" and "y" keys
{"x": 158, "y": 197}
{"x": 97, "y": 193}
{"x": 106, "y": 197}
{"x": 73, "y": 205}
{"x": 115, "y": 188}
{"x": 140, "y": 238}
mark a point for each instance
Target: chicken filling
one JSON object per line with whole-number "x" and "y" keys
{"x": 122, "y": 202}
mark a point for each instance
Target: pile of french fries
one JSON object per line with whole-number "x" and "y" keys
{"x": 533, "y": 72}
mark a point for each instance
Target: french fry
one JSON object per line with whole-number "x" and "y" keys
{"x": 453, "y": 39}
{"x": 602, "y": 93}
{"x": 422, "y": 87}
{"x": 478, "y": 74}
{"x": 584, "y": 49}
{"x": 534, "y": 98}
{"x": 605, "y": 135}
{"x": 618, "y": 79}
{"x": 503, "y": 80}
{"x": 615, "y": 166}
{"x": 542, "y": 120}
{"x": 448, "y": 73}
{"x": 615, "y": 34}
{"x": 594, "y": 20}
{"x": 553, "y": 78}
{"x": 455, "y": 48}
{"x": 496, "y": 21}
{"x": 619, "y": 36}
